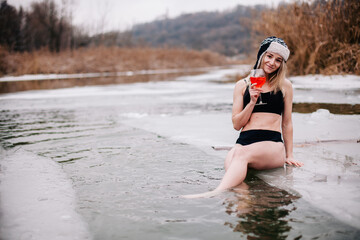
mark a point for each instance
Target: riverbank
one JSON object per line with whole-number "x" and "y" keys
{"x": 10, "y": 84}
{"x": 100, "y": 66}
{"x": 105, "y": 60}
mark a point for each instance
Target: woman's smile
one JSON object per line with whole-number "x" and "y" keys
{"x": 269, "y": 68}
{"x": 272, "y": 62}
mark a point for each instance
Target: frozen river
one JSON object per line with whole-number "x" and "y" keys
{"x": 109, "y": 162}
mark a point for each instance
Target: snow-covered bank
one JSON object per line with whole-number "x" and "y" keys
{"x": 206, "y": 130}
{"x": 334, "y": 82}
{"x": 31, "y": 77}
{"x": 11, "y": 84}
{"x": 337, "y": 89}
{"x": 37, "y": 200}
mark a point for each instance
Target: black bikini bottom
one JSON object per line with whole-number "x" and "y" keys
{"x": 253, "y": 136}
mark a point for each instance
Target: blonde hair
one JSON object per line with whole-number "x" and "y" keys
{"x": 277, "y": 78}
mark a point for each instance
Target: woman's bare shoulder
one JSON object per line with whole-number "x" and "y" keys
{"x": 287, "y": 87}
{"x": 241, "y": 84}
{"x": 287, "y": 83}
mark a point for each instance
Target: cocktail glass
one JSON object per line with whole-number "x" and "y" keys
{"x": 258, "y": 76}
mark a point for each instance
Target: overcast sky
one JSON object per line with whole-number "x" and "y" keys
{"x": 104, "y": 15}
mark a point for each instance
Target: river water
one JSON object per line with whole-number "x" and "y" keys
{"x": 110, "y": 162}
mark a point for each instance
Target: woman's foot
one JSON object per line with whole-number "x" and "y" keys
{"x": 203, "y": 195}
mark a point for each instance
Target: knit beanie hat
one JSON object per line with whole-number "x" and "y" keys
{"x": 275, "y": 45}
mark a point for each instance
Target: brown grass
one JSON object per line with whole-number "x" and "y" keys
{"x": 105, "y": 59}
{"x": 322, "y": 38}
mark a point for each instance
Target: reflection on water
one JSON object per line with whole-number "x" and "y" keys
{"x": 16, "y": 86}
{"x": 261, "y": 209}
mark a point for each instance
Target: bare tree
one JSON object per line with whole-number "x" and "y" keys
{"x": 10, "y": 23}
{"x": 45, "y": 26}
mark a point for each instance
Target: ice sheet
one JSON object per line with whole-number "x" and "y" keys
{"x": 218, "y": 75}
{"x": 30, "y": 77}
{"x": 37, "y": 200}
{"x": 333, "y": 82}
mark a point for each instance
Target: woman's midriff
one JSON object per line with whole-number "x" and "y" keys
{"x": 265, "y": 121}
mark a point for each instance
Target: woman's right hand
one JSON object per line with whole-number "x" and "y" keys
{"x": 254, "y": 93}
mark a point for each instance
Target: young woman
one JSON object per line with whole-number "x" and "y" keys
{"x": 260, "y": 145}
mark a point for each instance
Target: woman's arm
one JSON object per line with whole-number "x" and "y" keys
{"x": 241, "y": 116}
{"x": 287, "y": 125}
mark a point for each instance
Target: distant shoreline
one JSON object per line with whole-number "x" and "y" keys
{"x": 106, "y": 60}
{"x": 39, "y": 77}
{"x": 9, "y": 84}
{"x": 101, "y": 66}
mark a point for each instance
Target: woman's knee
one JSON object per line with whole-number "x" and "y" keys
{"x": 229, "y": 158}
{"x": 235, "y": 154}
{"x": 239, "y": 153}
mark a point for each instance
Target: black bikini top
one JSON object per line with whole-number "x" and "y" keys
{"x": 274, "y": 102}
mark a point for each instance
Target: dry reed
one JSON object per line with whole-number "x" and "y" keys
{"x": 323, "y": 37}
{"x": 105, "y": 59}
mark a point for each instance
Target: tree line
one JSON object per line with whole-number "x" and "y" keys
{"x": 42, "y": 26}
{"x": 45, "y": 25}
{"x": 323, "y": 35}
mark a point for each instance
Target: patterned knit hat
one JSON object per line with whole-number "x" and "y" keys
{"x": 275, "y": 45}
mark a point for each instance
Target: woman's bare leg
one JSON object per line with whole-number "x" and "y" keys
{"x": 234, "y": 163}
{"x": 260, "y": 156}
{"x": 237, "y": 169}
{"x": 229, "y": 158}
{"x": 267, "y": 155}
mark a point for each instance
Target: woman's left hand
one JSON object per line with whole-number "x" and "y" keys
{"x": 292, "y": 161}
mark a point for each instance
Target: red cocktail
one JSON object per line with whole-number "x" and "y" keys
{"x": 260, "y": 81}
{"x": 258, "y": 76}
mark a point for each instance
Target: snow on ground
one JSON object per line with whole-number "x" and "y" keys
{"x": 30, "y": 77}
{"x": 333, "y": 82}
